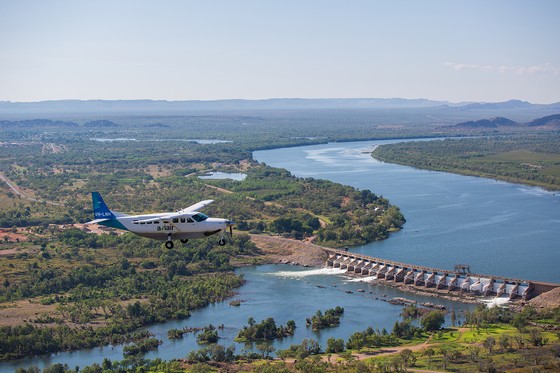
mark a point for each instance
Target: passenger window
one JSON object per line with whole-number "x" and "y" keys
{"x": 156, "y": 222}
{"x": 149, "y": 222}
{"x": 190, "y": 220}
{"x": 175, "y": 220}
{"x": 182, "y": 220}
{"x": 142, "y": 222}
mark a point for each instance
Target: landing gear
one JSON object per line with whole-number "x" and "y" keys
{"x": 184, "y": 240}
{"x": 169, "y": 243}
{"x": 222, "y": 242}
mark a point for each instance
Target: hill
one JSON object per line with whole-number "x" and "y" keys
{"x": 142, "y": 107}
{"x": 488, "y": 123}
{"x": 548, "y": 121}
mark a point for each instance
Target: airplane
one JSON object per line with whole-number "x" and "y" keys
{"x": 183, "y": 225}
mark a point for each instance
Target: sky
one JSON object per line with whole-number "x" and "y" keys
{"x": 476, "y": 50}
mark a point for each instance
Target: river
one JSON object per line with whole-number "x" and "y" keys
{"x": 497, "y": 228}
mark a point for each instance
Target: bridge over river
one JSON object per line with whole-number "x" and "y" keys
{"x": 434, "y": 278}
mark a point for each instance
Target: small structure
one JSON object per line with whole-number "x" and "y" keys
{"x": 462, "y": 269}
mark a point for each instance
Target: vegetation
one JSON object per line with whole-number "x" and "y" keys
{"x": 306, "y": 348}
{"x": 209, "y": 335}
{"x": 139, "y": 348}
{"x": 432, "y": 321}
{"x": 528, "y": 159}
{"x": 265, "y": 330}
{"x": 121, "y": 282}
{"x": 486, "y": 347}
{"x": 100, "y": 288}
{"x": 330, "y": 318}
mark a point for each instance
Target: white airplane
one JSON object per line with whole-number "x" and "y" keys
{"x": 183, "y": 225}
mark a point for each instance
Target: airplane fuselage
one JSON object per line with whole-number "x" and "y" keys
{"x": 164, "y": 229}
{"x": 167, "y": 226}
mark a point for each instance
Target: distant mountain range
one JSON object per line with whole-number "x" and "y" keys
{"x": 143, "y": 107}
{"x": 44, "y": 123}
{"x": 552, "y": 121}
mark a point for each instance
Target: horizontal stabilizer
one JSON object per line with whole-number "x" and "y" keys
{"x": 97, "y": 221}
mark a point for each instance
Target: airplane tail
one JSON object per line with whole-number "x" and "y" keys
{"x": 100, "y": 209}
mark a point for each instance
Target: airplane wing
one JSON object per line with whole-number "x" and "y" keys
{"x": 196, "y": 206}
{"x": 186, "y": 212}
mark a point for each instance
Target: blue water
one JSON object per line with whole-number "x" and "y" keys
{"x": 497, "y": 228}
{"x": 237, "y": 176}
{"x": 280, "y": 291}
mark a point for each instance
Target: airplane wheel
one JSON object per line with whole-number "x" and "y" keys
{"x": 221, "y": 242}
{"x": 169, "y": 244}
{"x": 185, "y": 240}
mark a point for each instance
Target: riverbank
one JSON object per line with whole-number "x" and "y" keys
{"x": 514, "y": 160}
{"x": 279, "y": 250}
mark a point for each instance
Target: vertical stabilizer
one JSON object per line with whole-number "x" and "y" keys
{"x": 100, "y": 209}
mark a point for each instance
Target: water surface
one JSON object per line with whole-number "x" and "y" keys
{"x": 283, "y": 292}
{"x": 496, "y": 227}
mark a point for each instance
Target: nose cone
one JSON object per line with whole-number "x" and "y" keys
{"x": 220, "y": 223}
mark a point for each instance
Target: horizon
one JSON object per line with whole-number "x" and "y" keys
{"x": 248, "y": 50}
{"x": 285, "y": 98}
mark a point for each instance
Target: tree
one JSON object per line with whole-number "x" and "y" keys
{"x": 265, "y": 349}
{"x": 432, "y": 321}
{"x": 474, "y": 353}
{"x": 489, "y": 344}
{"x": 335, "y": 345}
{"x": 429, "y": 353}
{"x": 519, "y": 340}
{"x": 449, "y": 354}
{"x": 407, "y": 357}
{"x": 536, "y": 337}
{"x": 504, "y": 342}
{"x": 453, "y": 317}
{"x": 410, "y": 311}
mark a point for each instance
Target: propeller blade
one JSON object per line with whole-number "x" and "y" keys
{"x": 230, "y": 225}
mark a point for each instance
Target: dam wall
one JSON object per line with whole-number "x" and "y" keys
{"x": 434, "y": 278}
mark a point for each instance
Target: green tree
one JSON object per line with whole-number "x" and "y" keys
{"x": 335, "y": 345}
{"x": 432, "y": 321}
{"x": 429, "y": 353}
{"x": 489, "y": 344}
{"x": 407, "y": 357}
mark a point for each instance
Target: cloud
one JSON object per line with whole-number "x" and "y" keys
{"x": 505, "y": 69}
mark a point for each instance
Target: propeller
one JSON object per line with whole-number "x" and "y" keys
{"x": 230, "y": 225}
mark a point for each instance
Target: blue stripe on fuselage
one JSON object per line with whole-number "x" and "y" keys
{"x": 113, "y": 223}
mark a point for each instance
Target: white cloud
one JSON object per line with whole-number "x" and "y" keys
{"x": 505, "y": 69}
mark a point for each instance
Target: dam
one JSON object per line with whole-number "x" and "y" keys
{"x": 459, "y": 281}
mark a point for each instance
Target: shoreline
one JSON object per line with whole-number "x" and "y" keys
{"x": 279, "y": 250}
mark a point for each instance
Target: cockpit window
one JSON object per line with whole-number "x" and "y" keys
{"x": 199, "y": 217}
